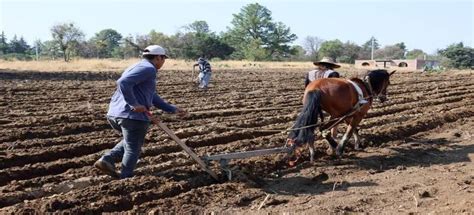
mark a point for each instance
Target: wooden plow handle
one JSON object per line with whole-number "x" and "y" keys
{"x": 187, "y": 150}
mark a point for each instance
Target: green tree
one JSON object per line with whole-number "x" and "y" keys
{"x": 105, "y": 42}
{"x": 331, "y": 48}
{"x": 212, "y": 46}
{"x": 170, "y": 43}
{"x": 415, "y": 54}
{"x": 350, "y": 52}
{"x": 188, "y": 45}
{"x": 159, "y": 38}
{"x": 366, "y": 50}
{"x": 460, "y": 56}
{"x": 51, "y": 49}
{"x": 254, "y": 51}
{"x": 19, "y": 46}
{"x": 173, "y": 44}
{"x": 68, "y": 37}
{"x": 401, "y": 45}
{"x": 253, "y": 33}
{"x": 298, "y": 53}
{"x": 403, "y": 48}
{"x": 200, "y": 27}
{"x": 197, "y": 41}
{"x": 278, "y": 41}
{"x": 3, "y": 44}
{"x": 207, "y": 45}
{"x": 368, "y": 44}
{"x": 390, "y": 52}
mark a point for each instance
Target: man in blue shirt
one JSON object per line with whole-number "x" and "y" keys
{"x": 133, "y": 98}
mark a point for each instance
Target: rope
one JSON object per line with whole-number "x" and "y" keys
{"x": 237, "y": 110}
{"x": 336, "y": 120}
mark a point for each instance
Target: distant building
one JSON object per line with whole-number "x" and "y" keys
{"x": 415, "y": 64}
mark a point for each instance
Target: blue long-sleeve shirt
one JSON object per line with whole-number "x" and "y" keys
{"x": 137, "y": 86}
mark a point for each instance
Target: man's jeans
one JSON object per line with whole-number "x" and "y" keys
{"x": 127, "y": 150}
{"x": 204, "y": 78}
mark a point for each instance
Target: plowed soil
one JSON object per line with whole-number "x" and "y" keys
{"x": 417, "y": 156}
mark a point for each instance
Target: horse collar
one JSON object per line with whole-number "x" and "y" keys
{"x": 359, "y": 93}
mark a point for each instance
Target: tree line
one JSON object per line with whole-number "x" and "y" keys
{"x": 253, "y": 35}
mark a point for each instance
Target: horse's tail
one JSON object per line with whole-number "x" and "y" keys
{"x": 308, "y": 116}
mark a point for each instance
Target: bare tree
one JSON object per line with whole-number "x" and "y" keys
{"x": 68, "y": 37}
{"x": 129, "y": 41}
{"x": 311, "y": 45}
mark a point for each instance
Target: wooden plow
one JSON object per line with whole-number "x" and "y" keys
{"x": 224, "y": 159}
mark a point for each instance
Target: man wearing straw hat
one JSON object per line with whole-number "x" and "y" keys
{"x": 325, "y": 70}
{"x": 128, "y": 108}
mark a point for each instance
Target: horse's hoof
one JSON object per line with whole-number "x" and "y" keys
{"x": 291, "y": 163}
{"x": 339, "y": 152}
{"x": 326, "y": 134}
{"x": 359, "y": 146}
{"x": 331, "y": 151}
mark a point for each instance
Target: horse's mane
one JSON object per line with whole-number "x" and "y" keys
{"x": 377, "y": 77}
{"x": 378, "y": 74}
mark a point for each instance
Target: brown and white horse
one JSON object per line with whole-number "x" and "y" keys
{"x": 340, "y": 98}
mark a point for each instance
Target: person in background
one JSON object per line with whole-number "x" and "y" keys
{"x": 325, "y": 69}
{"x": 204, "y": 72}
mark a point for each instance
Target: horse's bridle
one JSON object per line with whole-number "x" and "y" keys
{"x": 367, "y": 83}
{"x": 371, "y": 89}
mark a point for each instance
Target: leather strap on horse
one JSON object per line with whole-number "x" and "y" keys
{"x": 340, "y": 119}
{"x": 367, "y": 83}
{"x": 335, "y": 120}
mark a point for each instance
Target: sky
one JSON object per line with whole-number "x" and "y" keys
{"x": 423, "y": 24}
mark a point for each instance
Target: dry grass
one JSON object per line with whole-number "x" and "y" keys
{"x": 100, "y": 65}
{"x": 73, "y": 66}
{"x": 119, "y": 65}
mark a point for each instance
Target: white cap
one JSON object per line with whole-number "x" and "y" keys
{"x": 154, "y": 50}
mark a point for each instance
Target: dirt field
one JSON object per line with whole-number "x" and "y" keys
{"x": 418, "y": 154}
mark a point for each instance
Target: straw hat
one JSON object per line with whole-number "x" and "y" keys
{"x": 327, "y": 61}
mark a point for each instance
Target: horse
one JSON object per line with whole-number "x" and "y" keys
{"x": 344, "y": 100}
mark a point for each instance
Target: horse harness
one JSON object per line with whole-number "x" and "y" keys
{"x": 369, "y": 87}
{"x": 361, "y": 100}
